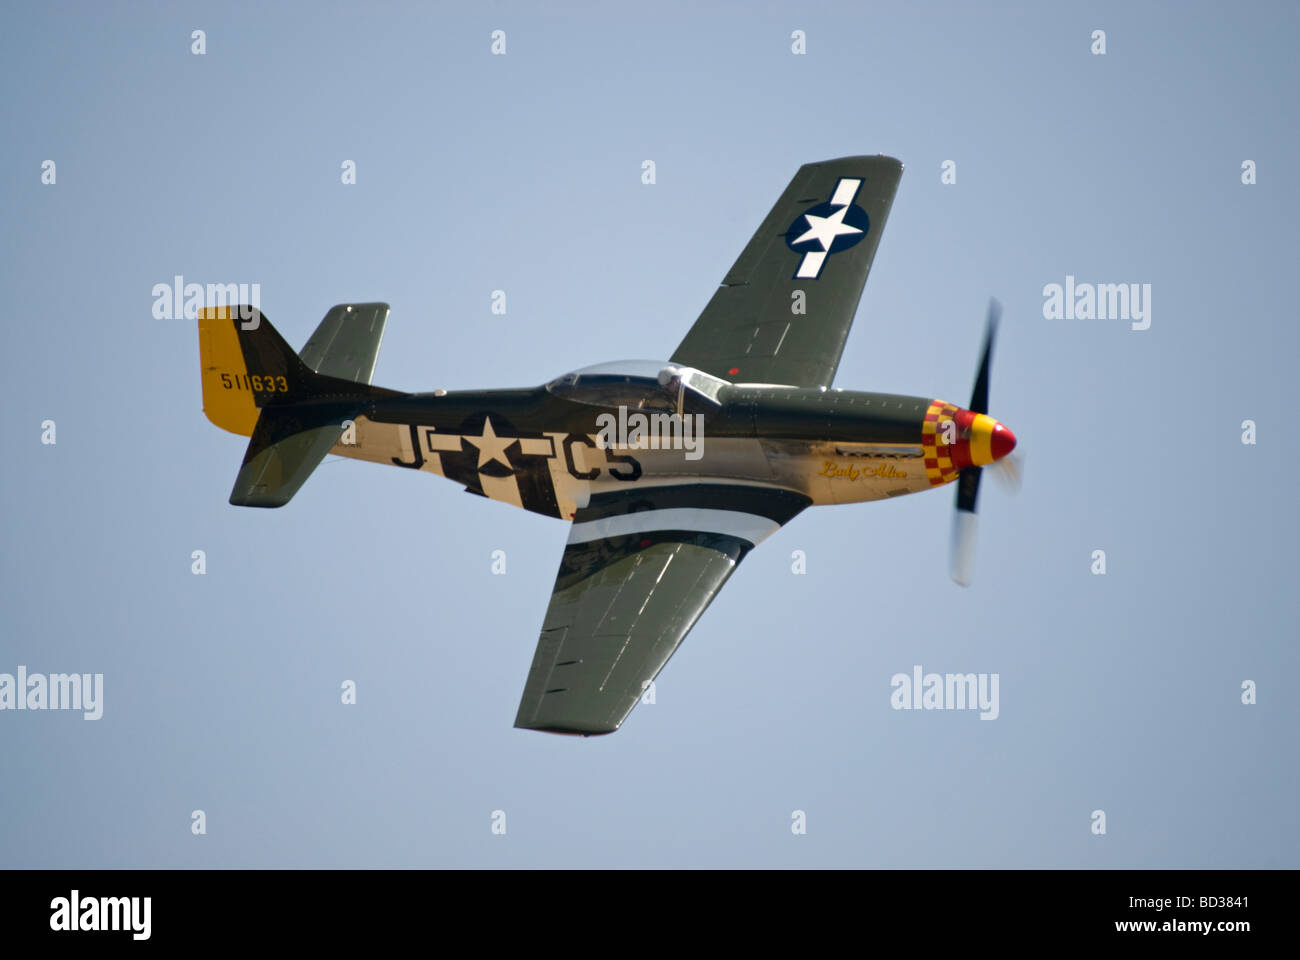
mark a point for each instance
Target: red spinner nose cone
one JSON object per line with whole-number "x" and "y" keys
{"x": 1002, "y": 442}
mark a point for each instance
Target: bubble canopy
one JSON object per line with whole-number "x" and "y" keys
{"x": 650, "y": 384}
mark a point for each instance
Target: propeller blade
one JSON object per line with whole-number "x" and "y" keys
{"x": 962, "y": 559}
{"x": 968, "y": 488}
{"x": 979, "y": 398}
{"x": 964, "y": 525}
{"x": 961, "y": 563}
{"x": 1009, "y": 472}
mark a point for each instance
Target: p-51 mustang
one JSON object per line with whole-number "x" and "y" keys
{"x": 670, "y": 472}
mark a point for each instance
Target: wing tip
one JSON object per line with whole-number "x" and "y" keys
{"x": 567, "y": 729}
{"x": 882, "y": 158}
{"x": 564, "y": 731}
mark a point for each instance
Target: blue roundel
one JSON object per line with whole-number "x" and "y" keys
{"x": 841, "y": 231}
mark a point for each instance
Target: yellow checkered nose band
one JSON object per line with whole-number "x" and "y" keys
{"x": 939, "y": 442}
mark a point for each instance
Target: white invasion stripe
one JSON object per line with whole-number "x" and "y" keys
{"x": 812, "y": 264}
{"x": 746, "y": 526}
{"x": 845, "y": 191}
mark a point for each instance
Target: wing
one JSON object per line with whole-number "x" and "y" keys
{"x": 811, "y": 254}
{"x": 638, "y": 570}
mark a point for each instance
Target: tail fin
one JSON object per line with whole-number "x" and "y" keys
{"x": 256, "y": 386}
{"x": 246, "y": 366}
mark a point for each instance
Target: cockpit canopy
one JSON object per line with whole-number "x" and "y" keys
{"x": 641, "y": 385}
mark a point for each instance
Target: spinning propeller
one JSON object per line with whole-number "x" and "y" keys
{"x": 1000, "y": 442}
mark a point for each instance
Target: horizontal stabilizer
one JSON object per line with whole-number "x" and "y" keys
{"x": 346, "y": 344}
{"x": 285, "y": 448}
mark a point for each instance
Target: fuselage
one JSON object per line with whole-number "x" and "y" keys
{"x": 549, "y": 449}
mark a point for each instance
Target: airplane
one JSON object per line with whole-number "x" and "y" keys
{"x": 669, "y": 472}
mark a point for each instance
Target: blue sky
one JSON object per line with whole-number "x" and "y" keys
{"x": 522, "y": 173}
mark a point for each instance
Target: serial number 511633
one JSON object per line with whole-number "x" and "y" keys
{"x": 255, "y": 383}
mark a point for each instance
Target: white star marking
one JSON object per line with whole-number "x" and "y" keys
{"x": 825, "y": 229}
{"x": 490, "y": 446}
